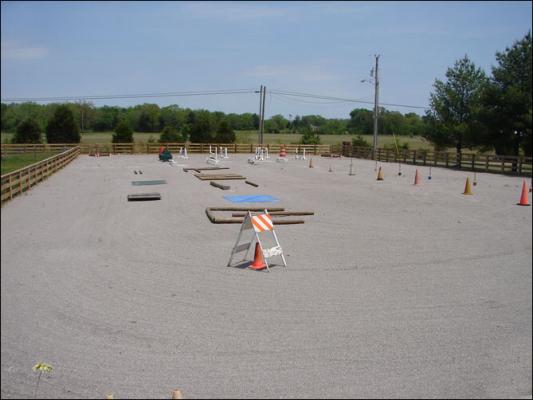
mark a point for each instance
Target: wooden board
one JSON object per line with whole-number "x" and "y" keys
{"x": 218, "y": 185}
{"x": 154, "y": 182}
{"x": 144, "y": 196}
{"x": 203, "y": 169}
{"x": 219, "y": 177}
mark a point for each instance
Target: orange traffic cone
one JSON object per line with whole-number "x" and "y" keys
{"x": 468, "y": 190}
{"x": 417, "y": 178}
{"x": 380, "y": 174}
{"x": 524, "y": 201}
{"x": 259, "y": 262}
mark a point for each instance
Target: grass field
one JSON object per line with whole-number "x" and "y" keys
{"x": 13, "y": 162}
{"x": 251, "y": 137}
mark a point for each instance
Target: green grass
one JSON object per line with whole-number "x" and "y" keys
{"x": 288, "y": 138}
{"x": 252, "y": 137}
{"x": 13, "y": 162}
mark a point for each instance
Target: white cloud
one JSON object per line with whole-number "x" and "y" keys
{"x": 14, "y": 51}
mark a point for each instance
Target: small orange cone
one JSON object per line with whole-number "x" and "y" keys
{"x": 524, "y": 201}
{"x": 380, "y": 174}
{"x": 259, "y": 262}
{"x": 417, "y": 178}
{"x": 468, "y": 190}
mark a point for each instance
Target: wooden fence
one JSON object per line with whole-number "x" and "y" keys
{"x": 521, "y": 166}
{"x": 151, "y": 148}
{"x": 21, "y": 180}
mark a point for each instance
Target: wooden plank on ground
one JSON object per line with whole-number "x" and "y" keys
{"x": 218, "y": 185}
{"x": 144, "y": 196}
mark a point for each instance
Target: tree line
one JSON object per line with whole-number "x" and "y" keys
{"x": 468, "y": 109}
{"x": 154, "y": 119}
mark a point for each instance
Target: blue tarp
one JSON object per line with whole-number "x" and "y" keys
{"x": 255, "y": 198}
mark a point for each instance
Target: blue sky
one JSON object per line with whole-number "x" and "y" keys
{"x": 327, "y": 48}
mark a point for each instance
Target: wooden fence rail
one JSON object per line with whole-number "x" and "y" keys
{"x": 16, "y": 182}
{"x": 521, "y": 166}
{"x": 153, "y": 148}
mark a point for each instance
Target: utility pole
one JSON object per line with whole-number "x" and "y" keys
{"x": 260, "y": 113}
{"x": 263, "y": 116}
{"x": 376, "y": 108}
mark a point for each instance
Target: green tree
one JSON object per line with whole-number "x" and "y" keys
{"x": 361, "y": 121}
{"x": 309, "y": 137}
{"x": 106, "y": 118}
{"x": 506, "y": 114}
{"x": 200, "y": 129}
{"x": 28, "y": 131}
{"x": 224, "y": 133}
{"x": 334, "y": 127}
{"x": 62, "y": 128}
{"x": 123, "y": 133}
{"x": 170, "y": 134}
{"x": 148, "y": 118}
{"x": 276, "y": 124}
{"x": 454, "y": 106}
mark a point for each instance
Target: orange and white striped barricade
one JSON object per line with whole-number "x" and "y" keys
{"x": 261, "y": 225}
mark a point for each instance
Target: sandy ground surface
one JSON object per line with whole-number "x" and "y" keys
{"x": 392, "y": 290}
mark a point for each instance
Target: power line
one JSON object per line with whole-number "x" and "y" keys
{"x": 298, "y": 100}
{"x": 130, "y": 96}
{"x": 285, "y": 93}
{"x": 340, "y": 99}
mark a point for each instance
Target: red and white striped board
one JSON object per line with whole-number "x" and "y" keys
{"x": 262, "y": 222}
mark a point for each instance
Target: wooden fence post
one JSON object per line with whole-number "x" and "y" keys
{"x": 447, "y": 159}
{"x": 473, "y": 162}
{"x": 503, "y": 165}
{"x": 414, "y": 157}
{"x": 387, "y": 156}
{"x": 425, "y": 156}
{"x": 520, "y": 161}
{"x": 10, "y": 188}
{"x": 487, "y": 163}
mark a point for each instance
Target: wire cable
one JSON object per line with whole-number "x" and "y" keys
{"x": 130, "y": 96}
{"x": 309, "y": 95}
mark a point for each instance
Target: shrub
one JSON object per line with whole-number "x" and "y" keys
{"x": 123, "y": 133}
{"x": 359, "y": 141}
{"x": 224, "y": 133}
{"x": 200, "y": 130}
{"x": 61, "y": 127}
{"x": 28, "y": 131}
{"x": 401, "y": 146}
{"x": 309, "y": 137}
{"x": 170, "y": 134}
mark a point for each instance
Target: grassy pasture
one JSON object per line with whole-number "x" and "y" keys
{"x": 13, "y": 162}
{"x": 252, "y": 137}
